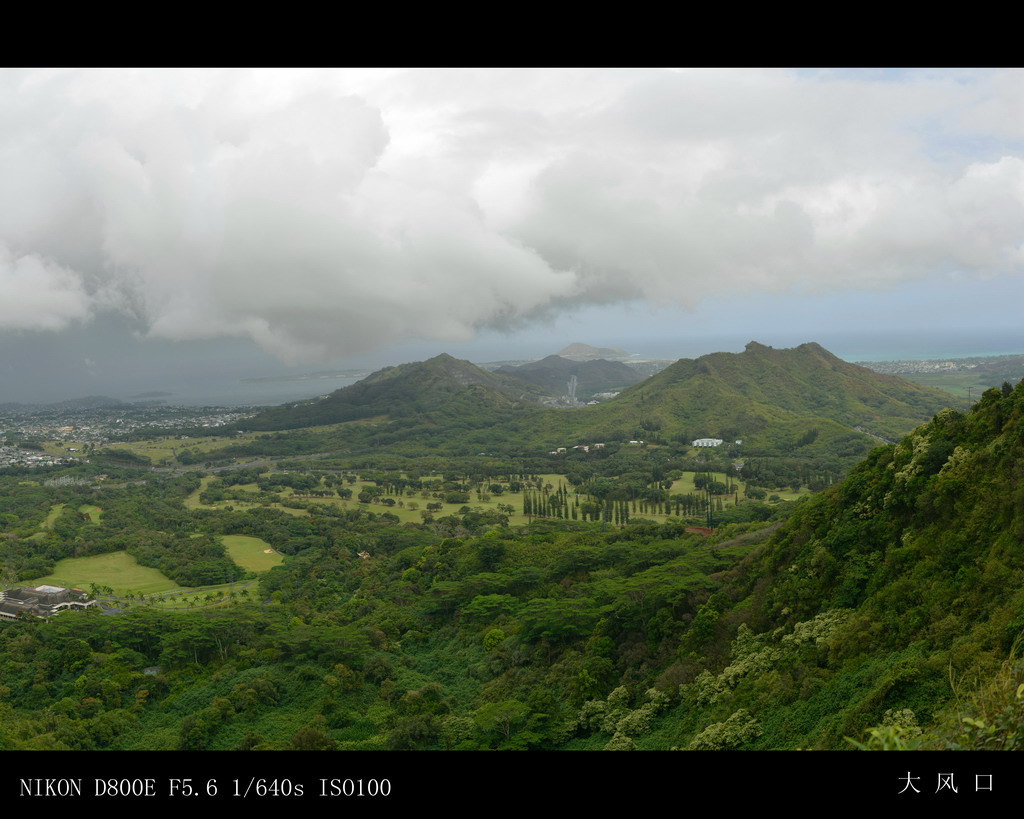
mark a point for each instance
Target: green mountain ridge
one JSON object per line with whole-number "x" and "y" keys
{"x": 884, "y": 591}
{"x": 552, "y": 374}
{"x": 419, "y": 390}
{"x": 807, "y": 380}
{"x": 776, "y": 401}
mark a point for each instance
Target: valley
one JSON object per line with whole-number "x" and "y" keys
{"x": 720, "y": 556}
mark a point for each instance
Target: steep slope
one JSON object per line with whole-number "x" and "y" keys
{"x": 771, "y": 399}
{"x": 442, "y": 386}
{"x": 806, "y": 380}
{"x": 879, "y": 601}
{"x": 801, "y": 401}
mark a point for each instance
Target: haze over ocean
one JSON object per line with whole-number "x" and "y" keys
{"x": 893, "y": 346}
{"x": 877, "y": 347}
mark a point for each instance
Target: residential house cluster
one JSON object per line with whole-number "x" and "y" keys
{"x": 582, "y": 447}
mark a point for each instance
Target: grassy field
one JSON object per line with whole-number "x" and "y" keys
{"x": 789, "y": 494}
{"x": 192, "y": 501}
{"x": 403, "y": 513}
{"x": 961, "y": 384}
{"x": 93, "y": 512}
{"x": 411, "y": 508}
{"x": 407, "y": 515}
{"x": 55, "y": 511}
{"x": 242, "y": 505}
{"x": 250, "y": 552}
{"x": 684, "y": 486}
{"x": 162, "y": 450}
{"x": 205, "y": 596}
{"x": 61, "y": 448}
{"x": 119, "y": 570}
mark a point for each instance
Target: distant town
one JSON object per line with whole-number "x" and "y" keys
{"x": 64, "y": 434}
{"x": 939, "y": 365}
{"x": 912, "y": 366}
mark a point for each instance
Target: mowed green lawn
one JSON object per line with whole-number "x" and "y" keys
{"x": 119, "y": 570}
{"x": 685, "y": 486}
{"x": 55, "y": 511}
{"x": 404, "y": 514}
{"x": 407, "y": 515}
{"x": 163, "y": 449}
{"x": 789, "y": 494}
{"x": 251, "y": 552}
{"x": 94, "y": 512}
{"x": 193, "y": 502}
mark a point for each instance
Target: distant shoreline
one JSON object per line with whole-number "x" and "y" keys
{"x": 936, "y": 357}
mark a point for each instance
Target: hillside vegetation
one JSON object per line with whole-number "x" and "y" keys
{"x": 882, "y": 599}
{"x": 739, "y": 395}
{"x": 443, "y": 385}
{"x": 802, "y": 401}
{"x": 406, "y": 612}
{"x": 553, "y": 373}
{"x": 883, "y": 610}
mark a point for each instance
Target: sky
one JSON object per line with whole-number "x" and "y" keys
{"x": 183, "y": 230}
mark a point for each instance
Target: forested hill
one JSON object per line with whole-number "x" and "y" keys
{"x": 795, "y": 402}
{"x": 737, "y": 394}
{"x": 552, "y": 374}
{"x": 808, "y": 380}
{"x": 881, "y": 601}
{"x": 443, "y": 384}
{"x": 886, "y": 609}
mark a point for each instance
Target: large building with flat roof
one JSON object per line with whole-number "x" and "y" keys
{"x": 41, "y": 601}
{"x": 708, "y": 442}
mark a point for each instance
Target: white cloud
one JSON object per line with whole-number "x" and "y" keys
{"x": 36, "y": 294}
{"x": 325, "y": 213}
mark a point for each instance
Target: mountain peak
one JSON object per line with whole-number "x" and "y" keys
{"x": 448, "y": 386}
{"x": 584, "y": 352}
{"x": 763, "y": 393}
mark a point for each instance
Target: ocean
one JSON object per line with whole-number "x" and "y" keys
{"x": 209, "y": 390}
{"x": 849, "y": 347}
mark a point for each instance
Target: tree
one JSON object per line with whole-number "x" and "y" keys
{"x": 502, "y": 718}
{"x": 313, "y": 739}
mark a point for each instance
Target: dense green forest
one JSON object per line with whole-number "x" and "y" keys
{"x": 884, "y": 610}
